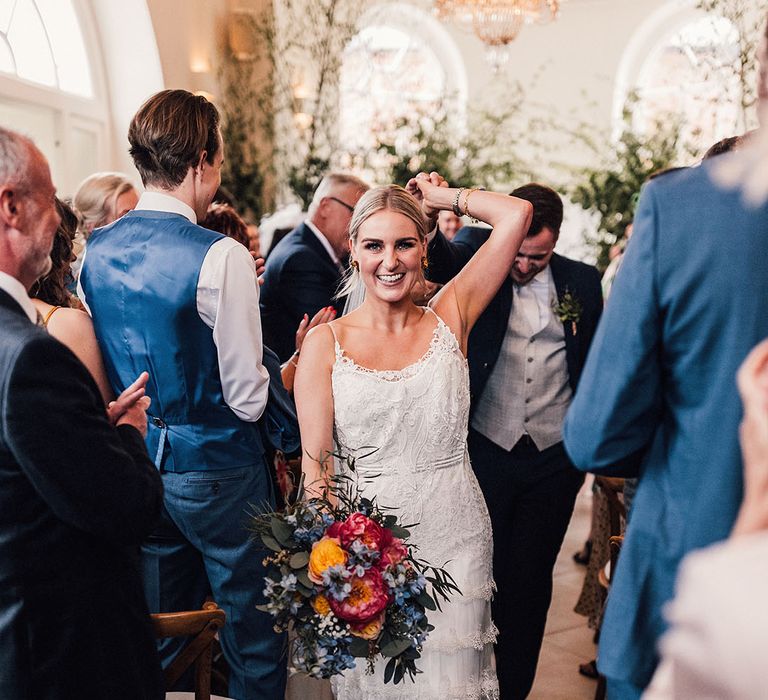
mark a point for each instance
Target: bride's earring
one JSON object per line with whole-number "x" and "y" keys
{"x": 424, "y": 262}
{"x": 354, "y": 265}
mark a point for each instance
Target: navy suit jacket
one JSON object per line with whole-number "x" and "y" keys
{"x": 300, "y": 278}
{"x": 76, "y": 499}
{"x": 690, "y": 301}
{"x": 485, "y": 341}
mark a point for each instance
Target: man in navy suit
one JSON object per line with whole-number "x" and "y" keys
{"x": 525, "y": 358}
{"x": 658, "y": 397}
{"x": 304, "y": 270}
{"x": 78, "y": 492}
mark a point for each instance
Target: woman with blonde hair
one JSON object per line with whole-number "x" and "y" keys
{"x": 389, "y": 385}
{"x": 103, "y": 198}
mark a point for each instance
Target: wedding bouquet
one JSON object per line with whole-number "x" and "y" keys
{"x": 345, "y": 581}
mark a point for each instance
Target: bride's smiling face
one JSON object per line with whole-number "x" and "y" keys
{"x": 389, "y": 254}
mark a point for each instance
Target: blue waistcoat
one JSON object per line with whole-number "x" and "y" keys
{"x": 140, "y": 283}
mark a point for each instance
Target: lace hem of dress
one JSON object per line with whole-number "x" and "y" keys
{"x": 486, "y": 689}
{"x": 476, "y": 641}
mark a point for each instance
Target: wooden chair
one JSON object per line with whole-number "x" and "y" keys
{"x": 617, "y": 516}
{"x": 201, "y": 626}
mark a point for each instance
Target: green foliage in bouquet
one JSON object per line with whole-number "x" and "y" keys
{"x": 344, "y": 580}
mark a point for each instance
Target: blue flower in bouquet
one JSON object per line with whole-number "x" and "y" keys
{"x": 281, "y": 595}
{"x": 413, "y": 615}
{"x": 417, "y": 585}
{"x": 361, "y": 558}
{"x": 336, "y": 581}
{"x": 308, "y": 536}
{"x": 399, "y": 585}
{"x": 320, "y": 654}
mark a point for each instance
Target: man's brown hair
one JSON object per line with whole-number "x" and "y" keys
{"x": 169, "y": 132}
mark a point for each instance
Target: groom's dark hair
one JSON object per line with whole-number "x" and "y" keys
{"x": 547, "y": 207}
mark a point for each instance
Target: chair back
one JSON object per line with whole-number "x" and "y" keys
{"x": 201, "y": 626}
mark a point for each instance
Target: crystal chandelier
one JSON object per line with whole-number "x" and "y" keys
{"x": 496, "y": 22}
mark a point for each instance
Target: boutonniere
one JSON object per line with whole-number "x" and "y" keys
{"x": 568, "y": 308}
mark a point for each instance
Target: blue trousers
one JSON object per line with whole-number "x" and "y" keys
{"x": 202, "y": 547}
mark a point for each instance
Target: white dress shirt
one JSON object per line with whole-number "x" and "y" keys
{"x": 534, "y": 299}
{"x": 325, "y": 242}
{"x": 228, "y": 303}
{"x": 16, "y": 290}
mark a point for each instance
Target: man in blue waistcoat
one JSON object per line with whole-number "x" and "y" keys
{"x": 181, "y": 302}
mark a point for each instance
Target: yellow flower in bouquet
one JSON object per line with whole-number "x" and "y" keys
{"x": 370, "y": 629}
{"x": 326, "y": 552}
{"x": 321, "y": 605}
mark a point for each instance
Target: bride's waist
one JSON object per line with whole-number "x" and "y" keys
{"x": 367, "y": 465}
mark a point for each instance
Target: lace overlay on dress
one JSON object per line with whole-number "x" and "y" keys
{"x": 407, "y": 430}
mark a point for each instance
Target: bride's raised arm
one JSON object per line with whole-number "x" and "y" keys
{"x": 470, "y": 292}
{"x": 314, "y": 406}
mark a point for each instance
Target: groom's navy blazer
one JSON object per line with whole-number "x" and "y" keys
{"x": 659, "y": 388}
{"x": 446, "y": 258}
{"x": 77, "y": 497}
{"x": 300, "y": 278}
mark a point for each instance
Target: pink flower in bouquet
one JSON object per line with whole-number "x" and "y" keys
{"x": 367, "y": 599}
{"x": 393, "y": 552}
{"x": 369, "y": 629}
{"x": 359, "y": 527}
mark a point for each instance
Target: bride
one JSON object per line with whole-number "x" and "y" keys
{"x": 389, "y": 384}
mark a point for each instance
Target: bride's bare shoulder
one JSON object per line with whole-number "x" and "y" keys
{"x": 319, "y": 343}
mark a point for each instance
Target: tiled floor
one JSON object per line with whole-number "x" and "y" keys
{"x": 567, "y": 639}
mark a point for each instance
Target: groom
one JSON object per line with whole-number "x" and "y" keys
{"x": 524, "y": 365}
{"x": 181, "y": 301}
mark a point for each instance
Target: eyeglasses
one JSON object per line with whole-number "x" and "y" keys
{"x": 343, "y": 204}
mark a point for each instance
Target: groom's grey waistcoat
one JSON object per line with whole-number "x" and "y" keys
{"x": 528, "y": 389}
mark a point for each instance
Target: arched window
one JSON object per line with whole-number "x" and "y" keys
{"x": 402, "y": 67}
{"x": 694, "y": 74}
{"x": 51, "y": 84}
{"x": 684, "y": 66}
{"x": 41, "y": 41}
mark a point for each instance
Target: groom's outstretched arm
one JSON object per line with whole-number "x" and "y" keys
{"x": 447, "y": 258}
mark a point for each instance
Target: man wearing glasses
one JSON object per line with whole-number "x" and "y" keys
{"x": 304, "y": 270}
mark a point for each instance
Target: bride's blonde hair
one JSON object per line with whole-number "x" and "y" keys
{"x": 387, "y": 198}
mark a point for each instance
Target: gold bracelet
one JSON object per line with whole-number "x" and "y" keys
{"x": 466, "y": 204}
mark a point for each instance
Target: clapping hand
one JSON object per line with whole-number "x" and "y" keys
{"x": 752, "y": 381}
{"x": 260, "y": 267}
{"x": 420, "y": 187}
{"x": 131, "y": 406}
{"x": 327, "y": 313}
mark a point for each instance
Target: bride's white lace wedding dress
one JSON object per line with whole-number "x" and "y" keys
{"x": 416, "y": 418}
